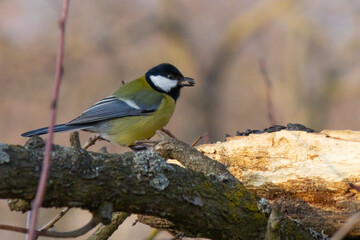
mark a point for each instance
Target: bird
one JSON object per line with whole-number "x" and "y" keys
{"x": 134, "y": 112}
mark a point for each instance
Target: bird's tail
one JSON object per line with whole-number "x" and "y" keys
{"x": 57, "y": 128}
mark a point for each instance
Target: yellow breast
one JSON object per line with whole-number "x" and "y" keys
{"x": 125, "y": 131}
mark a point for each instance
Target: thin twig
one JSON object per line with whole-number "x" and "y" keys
{"x": 55, "y": 219}
{"x": 347, "y": 227}
{"x": 105, "y": 231}
{"x": 28, "y": 218}
{"x": 92, "y": 141}
{"x": 267, "y": 79}
{"x": 196, "y": 141}
{"x": 72, "y": 234}
{"x": 168, "y": 133}
{"x": 46, "y": 164}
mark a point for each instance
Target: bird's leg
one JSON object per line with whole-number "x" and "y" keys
{"x": 92, "y": 141}
{"x": 145, "y": 144}
{"x": 142, "y": 145}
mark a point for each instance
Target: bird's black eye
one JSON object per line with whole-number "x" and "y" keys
{"x": 170, "y": 76}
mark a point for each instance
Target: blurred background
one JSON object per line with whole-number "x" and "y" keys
{"x": 310, "y": 49}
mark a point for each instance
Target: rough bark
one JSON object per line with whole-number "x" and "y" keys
{"x": 307, "y": 174}
{"x": 141, "y": 182}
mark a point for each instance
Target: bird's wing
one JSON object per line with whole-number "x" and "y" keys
{"x": 115, "y": 107}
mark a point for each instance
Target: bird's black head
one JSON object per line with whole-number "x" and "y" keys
{"x": 167, "y": 79}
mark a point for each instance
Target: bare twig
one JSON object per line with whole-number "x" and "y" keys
{"x": 92, "y": 141}
{"x": 196, "y": 141}
{"x": 168, "y": 133}
{"x": 28, "y": 218}
{"x": 72, "y": 234}
{"x": 55, "y": 219}
{"x": 268, "y": 83}
{"x": 46, "y": 164}
{"x": 347, "y": 227}
{"x": 105, "y": 231}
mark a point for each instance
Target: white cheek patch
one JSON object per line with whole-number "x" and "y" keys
{"x": 163, "y": 83}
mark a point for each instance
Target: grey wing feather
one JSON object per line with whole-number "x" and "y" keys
{"x": 110, "y": 108}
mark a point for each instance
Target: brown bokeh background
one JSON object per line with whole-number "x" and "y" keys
{"x": 311, "y": 51}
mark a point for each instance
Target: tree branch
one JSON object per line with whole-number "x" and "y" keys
{"x": 136, "y": 183}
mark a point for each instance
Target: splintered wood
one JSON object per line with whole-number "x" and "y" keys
{"x": 308, "y": 174}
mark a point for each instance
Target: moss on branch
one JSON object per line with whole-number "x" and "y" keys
{"x": 142, "y": 182}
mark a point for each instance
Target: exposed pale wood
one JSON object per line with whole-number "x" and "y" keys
{"x": 308, "y": 173}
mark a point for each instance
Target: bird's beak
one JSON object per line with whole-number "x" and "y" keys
{"x": 187, "y": 82}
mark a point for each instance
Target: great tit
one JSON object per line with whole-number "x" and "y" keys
{"x": 134, "y": 111}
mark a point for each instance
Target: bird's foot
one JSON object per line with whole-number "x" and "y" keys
{"x": 137, "y": 148}
{"x": 145, "y": 144}
{"x": 142, "y": 145}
